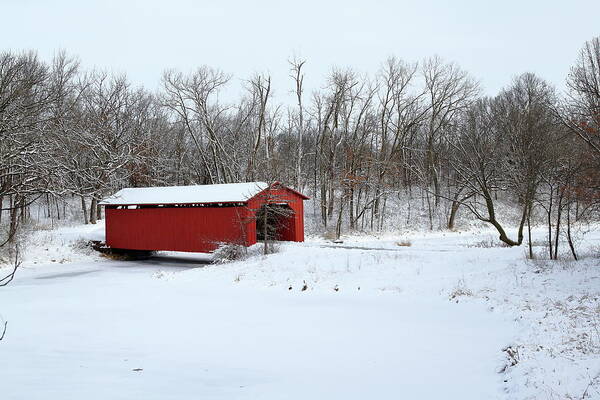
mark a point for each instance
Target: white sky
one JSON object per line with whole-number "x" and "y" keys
{"x": 493, "y": 40}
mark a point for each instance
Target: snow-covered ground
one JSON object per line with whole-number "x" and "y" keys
{"x": 446, "y": 317}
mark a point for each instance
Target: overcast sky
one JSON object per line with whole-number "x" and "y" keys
{"x": 493, "y": 40}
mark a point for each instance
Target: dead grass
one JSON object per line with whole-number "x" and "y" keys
{"x": 542, "y": 262}
{"x": 538, "y": 243}
{"x": 460, "y": 290}
{"x": 329, "y": 235}
{"x": 488, "y": 243}
{"x": 128, "y": 255}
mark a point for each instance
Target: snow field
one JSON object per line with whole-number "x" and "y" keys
{"x": 440, "y": 316}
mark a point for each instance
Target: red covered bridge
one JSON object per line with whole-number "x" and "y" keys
{"x": 198, "y": 218}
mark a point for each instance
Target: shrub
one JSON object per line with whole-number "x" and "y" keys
{"x": 227, "y": 252}
{"x": 82, "y": 245}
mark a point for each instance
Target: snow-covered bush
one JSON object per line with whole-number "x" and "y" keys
{"x": 83, "y": 246}
{"x": 227, "y": 252}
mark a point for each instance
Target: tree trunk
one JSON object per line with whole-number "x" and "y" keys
{"x": 453, "y": 212}
{"x": 265, "y": 232}
{"x": 14, "y": 214}
{"x": 569, "y": 238}
{"x": 408, "y": 210}
{"x": 436, "y": 189}
{"x": 84, "y": 209}
{"x": 49, "y": 206}
{"x": 429, "y": 210}
{"x": 57, "y": 209}
{"x": 323, "y": 201}
{"x": 23, "y": 209}
{"x": 556, "y": 235}
{"x": 93, "y": 210}
{"x": 557, "y": 231}
{"x": 550, "y": 246}
{"x": 382, "y": 214}
{"x": 351, "y": 208}
{"x": 331, "y": 202}
{"x": 338, "y": 225}
{"x": 376, "y": 203}
{"x": 492, "y": 220}
{"x": 530, "y": 245}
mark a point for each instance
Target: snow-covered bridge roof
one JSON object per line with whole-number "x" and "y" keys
{"x": 223, "y": 193}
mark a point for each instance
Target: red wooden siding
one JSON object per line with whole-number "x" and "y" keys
{"x": 197, "y": 229}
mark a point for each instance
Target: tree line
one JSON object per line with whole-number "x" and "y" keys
{"x": 355, "y": 145}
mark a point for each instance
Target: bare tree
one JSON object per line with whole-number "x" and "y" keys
{"x": 298, "y": 76}
{"x": 25, "y": 169}
{"x": 449, "y": 90}
{"x": 400, "y": 112}
{"x": 106, "y": 133}
{"x": 192, "y": 99}
{"x": 261, "y": 91}
{"x": 582, "y": 107}
{"x": 580, "y": 113}
{"x": 504, "y": 147}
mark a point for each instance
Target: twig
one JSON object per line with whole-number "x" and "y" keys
{"x": 4, "y": 330}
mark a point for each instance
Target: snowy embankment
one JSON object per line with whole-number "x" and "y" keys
{"x": 446, "y": 317}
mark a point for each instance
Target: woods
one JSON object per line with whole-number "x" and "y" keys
{"x": 415, "y": 131}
